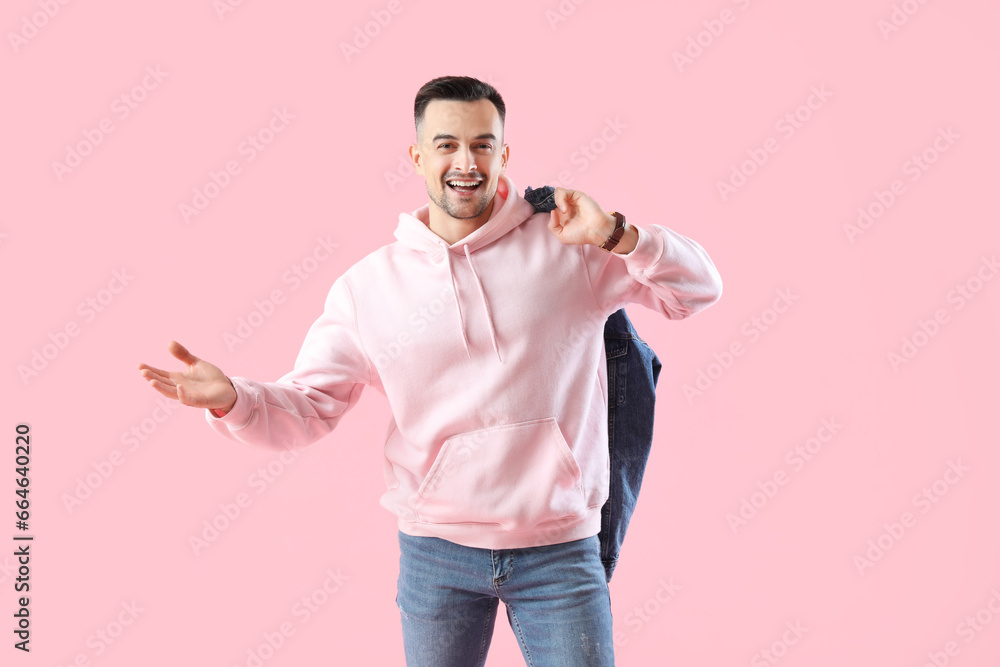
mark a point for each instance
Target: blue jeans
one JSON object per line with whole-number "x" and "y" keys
{"x": 633, "y": 370}
{"x": 556, "y": 598}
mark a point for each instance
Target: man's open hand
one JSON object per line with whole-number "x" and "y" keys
{"x": 200, "y": 384}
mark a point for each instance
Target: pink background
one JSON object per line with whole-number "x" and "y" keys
{"x": 680, "y": 131}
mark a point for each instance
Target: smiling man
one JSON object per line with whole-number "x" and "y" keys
{"x": 482, "y": 326}
{"x": 461, "y": 191}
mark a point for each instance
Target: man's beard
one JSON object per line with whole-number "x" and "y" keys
{"x": 478, "y": 205}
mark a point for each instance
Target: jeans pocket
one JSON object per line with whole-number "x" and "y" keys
{"x": 517, "y": 476}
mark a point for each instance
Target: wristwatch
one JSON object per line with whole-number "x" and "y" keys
{"x": 616, "y": 235}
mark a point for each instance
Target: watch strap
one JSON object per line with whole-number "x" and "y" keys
{"x": 617, "y": 234}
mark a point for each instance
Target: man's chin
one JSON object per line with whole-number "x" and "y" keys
{"x": 464, "y": 215}
{"x": 467, "y": 209}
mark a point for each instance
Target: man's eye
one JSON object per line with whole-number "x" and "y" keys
{"x": 486, "y": 146}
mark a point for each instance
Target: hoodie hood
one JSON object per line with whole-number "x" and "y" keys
{"x": 509, "y": 211}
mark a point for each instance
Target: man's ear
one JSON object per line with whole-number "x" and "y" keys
{"x": 415, "y": 159}
{"x": 504, "y": 156}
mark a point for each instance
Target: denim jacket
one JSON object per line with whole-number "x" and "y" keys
{"x": 633, "y": 369}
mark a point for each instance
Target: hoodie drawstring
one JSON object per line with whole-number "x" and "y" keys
{"x": 486, "y": 305}
{"x": 482, "y": 297}
{"x": 458, "y": 302}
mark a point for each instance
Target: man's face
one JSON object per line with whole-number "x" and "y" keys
{"x": 460, "y": 143}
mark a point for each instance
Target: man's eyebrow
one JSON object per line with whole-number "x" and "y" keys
{"x": 489, "y": 135}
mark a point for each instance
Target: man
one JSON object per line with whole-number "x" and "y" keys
{"x": 482, "y": 325}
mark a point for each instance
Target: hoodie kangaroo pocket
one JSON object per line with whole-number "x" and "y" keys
{"x": 515, "y": 475}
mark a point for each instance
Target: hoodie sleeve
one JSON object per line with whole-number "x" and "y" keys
{"x": 305, "y": 404}
{"x": 666, "y": 272}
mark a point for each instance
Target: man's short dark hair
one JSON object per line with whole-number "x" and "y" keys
{"x": 455, "y": 88}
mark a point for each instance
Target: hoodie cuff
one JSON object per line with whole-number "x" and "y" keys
{"x": 647, "y": 251}
{"x": 242, "y": 410}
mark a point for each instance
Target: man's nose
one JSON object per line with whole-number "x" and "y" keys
{"x": 464, "y": 161}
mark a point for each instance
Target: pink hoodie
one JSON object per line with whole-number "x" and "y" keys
{"x": 491, "y": 354}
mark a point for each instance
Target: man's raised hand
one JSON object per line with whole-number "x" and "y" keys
{"x": 577, "y": 219}
{"x": 200, "y": 384}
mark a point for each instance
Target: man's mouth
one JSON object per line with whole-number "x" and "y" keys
{"x": 464, "y": 186}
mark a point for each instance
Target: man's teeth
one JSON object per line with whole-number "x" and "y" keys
{"x": 467, "y": 184}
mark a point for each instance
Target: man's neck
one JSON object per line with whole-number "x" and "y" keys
{"x": 452, "y": 230}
